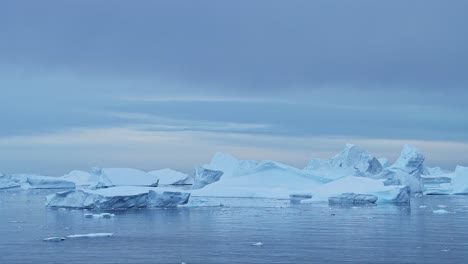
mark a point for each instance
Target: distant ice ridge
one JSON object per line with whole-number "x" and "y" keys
{"x": 107, "y": 177}
{"x": 354, "y": 161}
{"x": 29, "y": 181}
{"x": 118, "y": 198}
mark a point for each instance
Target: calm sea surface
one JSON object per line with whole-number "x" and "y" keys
{"x": 309, "y": 233}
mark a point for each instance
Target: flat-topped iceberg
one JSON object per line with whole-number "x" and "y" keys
{"x": 27, "y": 181}
{"x": 118, "y": 198}
{"x": 362, "y": 185}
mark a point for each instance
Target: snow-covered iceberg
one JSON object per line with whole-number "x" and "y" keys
{"x": 118, "y": 198}
{"x": 460, "y": 180}
{"x": 108, "y": 177}
{"x": 407, "y": 170}
{"x": 170, "y": 177}
{"x": 6, "y": 182}
{"x": 352, "y": 161}
{"x": 27, "y": 181}
{"x": 362, "y": 185}
{"x": 79, "y": 177}
{"x": 266, "y": 179}
{"x": 201, "y": 177}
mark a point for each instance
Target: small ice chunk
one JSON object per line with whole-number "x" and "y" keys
{"x": 103, "y": 215}
{"x": 441, "y": 206}
{"x": 258, "y": 244}
{"x": 91, "y": 235}
{"x": 441, "y": 211}
{"x": 422, "y": 206}
{"x": 54, "y": 239}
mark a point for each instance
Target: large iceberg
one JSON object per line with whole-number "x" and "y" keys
{"x": 79, "y": 177}
{"x": 266, "y": 179}
{"x": 118, "y": 198}
{"x": 352, "y": 161}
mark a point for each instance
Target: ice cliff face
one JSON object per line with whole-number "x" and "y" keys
{"x": 352, "y": 161}
{"x": 117, "y": 198}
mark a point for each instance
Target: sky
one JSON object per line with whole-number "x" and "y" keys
{"x": 155, "y": 84}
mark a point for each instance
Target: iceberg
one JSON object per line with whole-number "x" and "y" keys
{"x": 352, "y": 161}
{"x": 352, "y": 199}
{"x": 27, "y": 181}
{"x": 118, "y": 198}
{"x": 407, "y": 170}
{"x": 460, "y": 180}
{"x": 53, "y": 239}
{"x": 266, "y": 179}
{"x": 108, "y": 177}
{"x": 169, "y": 177}
{"x": 91, "y": 235}
{"x": 362, "y": 185}
{"x": 6, "y": 182}
{"x": 128, "y": 176}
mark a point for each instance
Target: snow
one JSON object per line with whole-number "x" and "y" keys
{"x": 352, "y": 199}
{"x": 352, "y": 161}
{"x": 168, "y": 176}
{"x": 91, "y": 235}
{"x": 118, "y": 198}
{"x": 362, "y": 185}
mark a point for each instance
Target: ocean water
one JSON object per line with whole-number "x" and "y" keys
{"x": 309, "y": 233}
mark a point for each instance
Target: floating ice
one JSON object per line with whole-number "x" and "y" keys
{"x": 53, "y": 239}
{"x": 118, "y": 198}
{"x": 103, "y": 215}
{"x": 352, "y": 198}
{"x": 258, "y": 244}
{"x": 441, "y": 211}
{"x": 91, "y": 235}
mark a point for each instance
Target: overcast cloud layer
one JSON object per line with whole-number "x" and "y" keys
{"x": 226, "y": 75}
